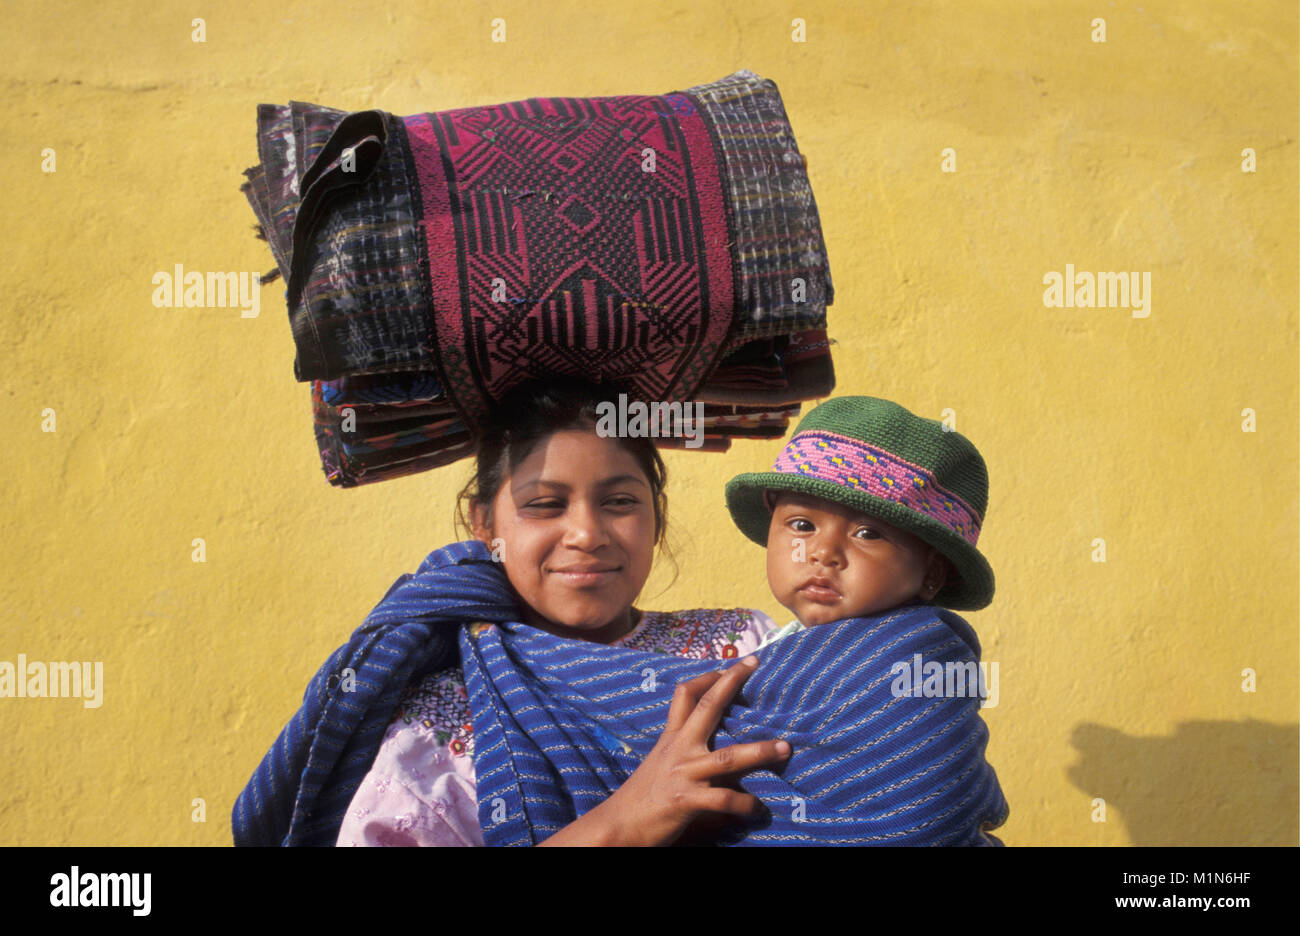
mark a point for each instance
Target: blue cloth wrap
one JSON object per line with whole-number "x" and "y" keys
{"x": 560, "y": 724}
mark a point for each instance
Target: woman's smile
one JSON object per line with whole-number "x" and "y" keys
{"x": 587, "y": 576}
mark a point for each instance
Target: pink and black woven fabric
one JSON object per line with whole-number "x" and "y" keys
{"x": 668, "y": 245}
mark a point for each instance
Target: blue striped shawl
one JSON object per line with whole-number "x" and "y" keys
{"x": 560, "y": 724}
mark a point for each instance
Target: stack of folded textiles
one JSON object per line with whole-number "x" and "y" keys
{"x": 668, "y": 246}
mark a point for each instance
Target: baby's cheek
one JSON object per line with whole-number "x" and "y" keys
{"x": 773, "y": 569}
{"x": 781, "y": 570}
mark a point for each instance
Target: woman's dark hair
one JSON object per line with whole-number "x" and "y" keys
{"x": 525, "y": 417}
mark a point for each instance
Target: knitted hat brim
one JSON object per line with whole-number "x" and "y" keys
{"x": 972, "y": 591}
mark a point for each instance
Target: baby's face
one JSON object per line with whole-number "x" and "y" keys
{"x": 852, "y": 565}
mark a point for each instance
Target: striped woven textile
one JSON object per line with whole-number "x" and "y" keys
{"x": 362, "y": 443}
{"x": 367, "y": 431}
{"x": 560, "y": 724}
{"x": 645, "y": 240}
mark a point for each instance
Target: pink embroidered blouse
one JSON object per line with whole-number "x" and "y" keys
{"x": 421, "y": 790}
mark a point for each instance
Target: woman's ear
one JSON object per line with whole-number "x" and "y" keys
{"x": 480, "y": 521}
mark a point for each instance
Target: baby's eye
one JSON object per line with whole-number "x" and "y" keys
{"x": 874, "y": 534}
{"x": 796, "y": 524}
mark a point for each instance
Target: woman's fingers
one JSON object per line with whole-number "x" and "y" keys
{"x": 735, "y": 759}
{"x": 673, "y": 787}
{"x": 685, "y": 697}
{"x": 710, "y": 706}
{"x": 731, "y": 802}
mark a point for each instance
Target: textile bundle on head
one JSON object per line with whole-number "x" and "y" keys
{"x": 668, "y": 245}
{"x": 560, "y": 724}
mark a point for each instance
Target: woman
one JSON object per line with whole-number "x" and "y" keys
{"x": 575, "y": 518}
{"x": 569, "y": 746}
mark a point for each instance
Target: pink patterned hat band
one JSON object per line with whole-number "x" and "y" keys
{"x": 861, "y": 467}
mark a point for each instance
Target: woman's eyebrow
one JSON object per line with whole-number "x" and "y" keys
{"x": 622, "y": 479}
{"x": 561, "y": 486}
{"x": 538, "y": 482}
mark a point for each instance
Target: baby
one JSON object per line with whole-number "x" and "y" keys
{"x": 869, "y": 508}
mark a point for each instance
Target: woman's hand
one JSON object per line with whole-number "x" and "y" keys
{"x": 674, "y": 786}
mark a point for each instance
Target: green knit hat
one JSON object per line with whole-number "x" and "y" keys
{"x": 876, "y": 457}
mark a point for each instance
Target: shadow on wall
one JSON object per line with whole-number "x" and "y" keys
{"x": 1211, "y": 783}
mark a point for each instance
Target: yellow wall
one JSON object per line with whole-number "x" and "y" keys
{"x": 1120, "y": 680}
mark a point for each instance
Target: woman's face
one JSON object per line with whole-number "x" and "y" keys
{"x": 575, "y": 525}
